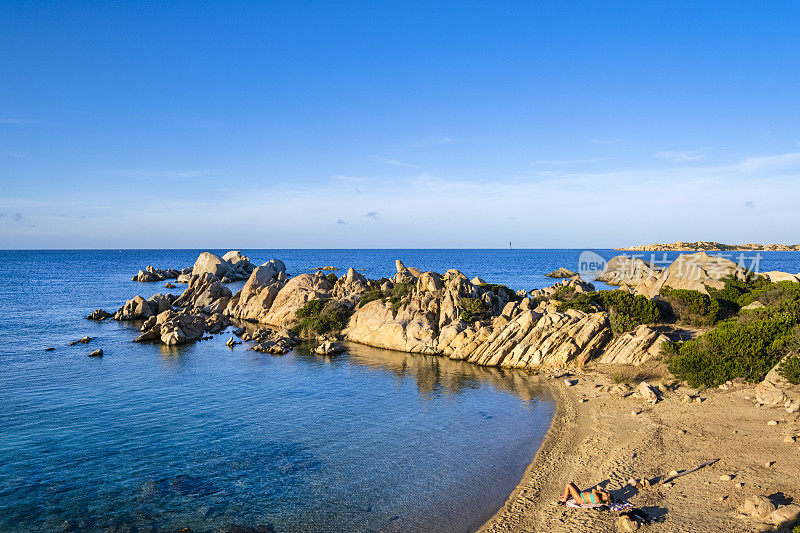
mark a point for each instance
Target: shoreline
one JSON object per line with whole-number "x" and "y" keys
{"x": 608, "y": 439}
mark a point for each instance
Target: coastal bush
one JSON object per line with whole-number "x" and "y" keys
{"x": 473, "y": 309}
{"x": 738, "y": 348}
{"x": 625, "y": 310}
{"x": 331, "y": 277}
{"x": 318, "y": 317}
{"x": 789, "y": 369}
{"x": 502, "y": 291}
{"x": 564, "y": 293}
{"x": 693, "y": 307}
{"x": 395, "y": 295}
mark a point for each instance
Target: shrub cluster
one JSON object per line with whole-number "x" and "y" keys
{"x": 331, "y": 277}
{"x": 473, "y": 309}
{"x": 625, "y": 310}
{"x": 694, "y": 307}
{"x": 746, "y": 346}
{"x": 790, "y": 369}
{"x": 395, "y": 295}
{"x": 502, "y": 291}
{"x": 318, "y": 317}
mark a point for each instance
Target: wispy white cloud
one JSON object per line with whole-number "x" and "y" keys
{"x": 348, "y": 179}
{"x": 393, "y": 162}
{"x": 559, "y": 162}
{"x": 682, "y": 155}
{"x": 769, "y": 162}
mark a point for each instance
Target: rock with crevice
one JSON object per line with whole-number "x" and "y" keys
{"x": 634, "y": 347}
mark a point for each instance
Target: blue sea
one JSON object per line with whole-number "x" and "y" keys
{"x": 149, "y": 438}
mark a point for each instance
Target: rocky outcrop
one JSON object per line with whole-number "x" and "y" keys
{"x": 576, "y": 283}
{"x": 775, "y": 390}
{"x": 329, "y": 348}
{"x": 562, "y": 273}
{"x": 205, "y": 291}
{"x": 138, "y": 308}
{"x": 256, "y": 297}
{"x": 775, "y": 276}
{"x": 626, "y": 270}
{"x": 151, "y": 274}
{"x": 634, "y": 347}
{"x": 271, "y": 341}
{"x": 173, "y": 327}
{"x": 711, "y": 246}
{"x": 99, "y": 314}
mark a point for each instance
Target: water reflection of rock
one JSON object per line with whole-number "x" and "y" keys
{"x": 440, "y": 375}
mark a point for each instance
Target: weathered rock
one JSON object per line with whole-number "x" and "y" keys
{"x": 136, "y": 308}
{"x": 182, "y": 329}
{"x": 576, "y": 283}
{"x": 753, "y": 305}
{"x": 99, "y": 314}
{"x": 82, "y": 340}
{"x": 292, "y": 296}
{"x": 169, "y": 286}
{"x": 776, "y": 276}
{"x": 634, "y": 347}
{"x": 693, "y": 272}
{"x": 208, "y": 263}
{"x": 329, "y": 348}
{"x": 562, "y": 273}
{"x": 758, "y": 507}
{"x": 151, "y": 274}
{"x": 786, "y": 515}
{"x": 647, "y": 392}
{"x": 97, "y": 353}
{"x": 776, "y": 390}
{"x": 628, "y": 271}
{"x": 256, "y": 297}
{"x": 204, "y": 290}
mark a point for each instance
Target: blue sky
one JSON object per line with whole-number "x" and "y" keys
{"x": 407, "y": 124}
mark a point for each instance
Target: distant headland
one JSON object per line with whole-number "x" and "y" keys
{"x": 711, "y": 246}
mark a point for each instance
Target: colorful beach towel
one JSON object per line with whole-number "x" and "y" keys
{"x": 619, "y": 505}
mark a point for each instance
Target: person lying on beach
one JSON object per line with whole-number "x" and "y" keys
{"x": 594, "y": 495}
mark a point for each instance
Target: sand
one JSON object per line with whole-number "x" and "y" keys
{"x": 603, "y": 441}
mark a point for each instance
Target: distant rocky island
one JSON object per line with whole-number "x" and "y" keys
{"x": 711, "y": 246}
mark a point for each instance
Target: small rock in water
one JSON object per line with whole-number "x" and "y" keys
{"x": 97, "y": 353}
{"x": 82, "y": 340}
{"x": 169, "y": 286}
{"x": 49, "y": 349}
{"x": 231, "y": 343}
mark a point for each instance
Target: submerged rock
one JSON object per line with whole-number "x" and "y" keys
{"x": 329, "y": 348}
{"x": 97, "y": 353}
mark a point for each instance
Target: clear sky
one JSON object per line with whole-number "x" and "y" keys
{"x": 398, "y": 124}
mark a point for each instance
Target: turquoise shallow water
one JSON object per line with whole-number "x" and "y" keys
{"x": 155, "y": 439}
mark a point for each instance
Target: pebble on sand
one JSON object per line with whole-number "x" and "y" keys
{"x": 772, "y": 423}
{"x": 725, "y": 477}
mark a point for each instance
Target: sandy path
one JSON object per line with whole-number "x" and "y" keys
{"x": 602, "y": 441}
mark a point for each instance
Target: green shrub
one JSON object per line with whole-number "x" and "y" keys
{"x": 693, "y": 307}
{"x": 790, "y": 370}
{"x": 564, "y": 293}
{"x": 318, "y": 317}
{"x": 371, "y": 296}
{"x": 502, "y": 291}
{"x": 331, "y": 277}
{"x": 474, "y": 309}
{"x": 737, "y": 348}
{"x": 625, "y": 310}
{"x": 395, "y": 295}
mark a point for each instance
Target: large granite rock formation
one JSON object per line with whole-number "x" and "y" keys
{"x": 634, "y": 347}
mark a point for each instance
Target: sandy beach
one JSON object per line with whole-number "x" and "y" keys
{"x": 603, "y": 438}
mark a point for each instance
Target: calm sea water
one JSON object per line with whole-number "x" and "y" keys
{"x": 201, "y": 436}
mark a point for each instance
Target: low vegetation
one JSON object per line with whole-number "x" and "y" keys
{"x": 789, "y": 369}
{"x": 695, "y": 308}
{"x": 395, "y": 295}
{"x": 473, "y": 309}
{"x": 502, "y": 291}
{"x": 625, "y": 310}
{"x": 745, "y": 346}
{"x": 318, "y": 317}
{"x": 331, "y": 277}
